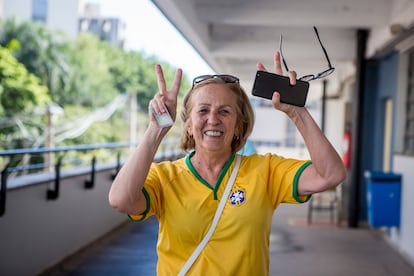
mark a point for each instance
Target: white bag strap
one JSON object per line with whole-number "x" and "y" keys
{"x": 216, "y": 218}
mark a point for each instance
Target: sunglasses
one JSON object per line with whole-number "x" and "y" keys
{"x": 320, "y": 75}
{"x": 225, "y": 78}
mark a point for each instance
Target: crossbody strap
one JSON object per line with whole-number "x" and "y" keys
{"x": 216, "y": 218}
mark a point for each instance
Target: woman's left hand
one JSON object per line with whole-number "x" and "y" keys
{"x": 287, "y": 108}
{"x": 327, "y": 169}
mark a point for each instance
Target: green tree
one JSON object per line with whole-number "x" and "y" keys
{"x": 21, "y": 93}
{"x": 92, "y": 83}
{"x": 43, "y": 52}
{"x": 81, "y": 75}
{"x": 134, "y": 73}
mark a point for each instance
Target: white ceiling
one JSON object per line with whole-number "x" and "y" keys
{"x": 234, "y": 35}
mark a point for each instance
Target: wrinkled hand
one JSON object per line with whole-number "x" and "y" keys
{"x": 165, "y": 98}
{"x": 287, "y": 108}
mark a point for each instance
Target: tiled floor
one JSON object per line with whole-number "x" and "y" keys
{"x": 296, "y": 249}
{"x": 130, "y": 250}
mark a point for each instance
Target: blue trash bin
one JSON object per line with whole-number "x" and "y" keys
{"x": 383, "y": 198}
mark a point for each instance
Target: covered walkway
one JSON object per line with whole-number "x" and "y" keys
{"x": 297, "y": 249}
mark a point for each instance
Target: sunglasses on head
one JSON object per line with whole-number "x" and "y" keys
{"x": 225, "y": 78}
{"x": 320, "y": 75}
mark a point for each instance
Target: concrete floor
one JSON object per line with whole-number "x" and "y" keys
{"x": 324, "y": 249}
{"x": 297, "y": 249}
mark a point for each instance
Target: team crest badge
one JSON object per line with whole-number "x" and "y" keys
{"x": 237, "y": 196}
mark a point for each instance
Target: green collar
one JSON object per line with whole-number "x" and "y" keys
{"x": 220, "y": 178}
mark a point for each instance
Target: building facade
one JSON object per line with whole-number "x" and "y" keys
{"x": 61, "y": 15}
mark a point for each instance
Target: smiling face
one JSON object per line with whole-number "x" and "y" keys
{"x": 220, "y": 98}
{"x": 213, "y": 117}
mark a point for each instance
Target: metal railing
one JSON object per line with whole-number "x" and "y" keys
{"x": 167, "y": 151}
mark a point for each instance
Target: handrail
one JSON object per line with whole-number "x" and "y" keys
{"x": 118, "y": 165}
{"x": 3, "y": 190}
{"x": 91, "y": 182}
{"x": 52, "y": 193}
{"x": 64, "y": 148}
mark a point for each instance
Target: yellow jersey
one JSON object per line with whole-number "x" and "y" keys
{"x": 185, "y": 204}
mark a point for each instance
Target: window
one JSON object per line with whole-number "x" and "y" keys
{"x": 291, "y": 134}
{"x": 409, "y": 123}
{"x": 39, "y": 10}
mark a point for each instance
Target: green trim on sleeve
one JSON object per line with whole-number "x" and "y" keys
{"x": 296, "y": 181}
{"x": 144, "y": 214}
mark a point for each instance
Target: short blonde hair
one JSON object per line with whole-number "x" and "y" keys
{"x": 244, "y": 110}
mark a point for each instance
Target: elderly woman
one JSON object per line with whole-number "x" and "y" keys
{"x": 185, "y": 194}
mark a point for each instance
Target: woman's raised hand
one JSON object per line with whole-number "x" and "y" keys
{"x": 278, "y": 70}
{"x": 165, "y": 98}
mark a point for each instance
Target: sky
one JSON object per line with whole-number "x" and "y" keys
{"x": 147, "y": 30}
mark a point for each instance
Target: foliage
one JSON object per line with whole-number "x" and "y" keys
{"x": 20, "y": 93}
{"x": 112, "y": 130}
{"x": 42, "y": 51}
{"x": 80, "y": 75}
{"x": 134, "y": 73}
{"x": 91, "y": 84}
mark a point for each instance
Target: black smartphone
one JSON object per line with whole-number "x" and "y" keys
{"x": 266, "y": 83}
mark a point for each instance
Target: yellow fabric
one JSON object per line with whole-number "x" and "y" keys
{"x": 185, "y": 205}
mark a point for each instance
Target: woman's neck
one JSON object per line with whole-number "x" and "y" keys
{"x": 209, "y": 166}
{"x": 210, "y": 161}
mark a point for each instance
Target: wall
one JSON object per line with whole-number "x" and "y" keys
{"x": 63, "y": 15}
{"x": 396, "y": 86}
{"x": 403, "y": 237}
{"x": 269, "y": 125}
{"x": 13, "y": 8}
{"x": 36, "y": 233}
{"x": 400, "y": 15}
{"x": 387, "y": 88}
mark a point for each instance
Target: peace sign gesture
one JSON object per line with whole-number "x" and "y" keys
{"x": 166, "y": 99}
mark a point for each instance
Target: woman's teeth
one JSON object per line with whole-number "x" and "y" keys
{"x": 213, "y": 133}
